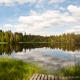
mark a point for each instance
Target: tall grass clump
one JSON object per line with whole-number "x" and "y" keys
{"x": 13, "y": 69}
{"x": 71, "y": 71}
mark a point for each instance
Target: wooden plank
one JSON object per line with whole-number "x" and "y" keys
{"x": 35, "y": 77}
{"x": 42, "y": 77}
{"x": 56, "y": 78}
{"x": 52, "y": 77}
{"x": 45, "y": 77}
{"x": 32, "y": 77}
{"x": 66, "y": 78}
{"x": 39, "y": 77}
{"x": 60, "y": 78}
{"x": 49, "y": 77}
{"x": 63, "y": 78}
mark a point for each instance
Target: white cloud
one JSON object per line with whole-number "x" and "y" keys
{"x": 7, "y": 2}
{"x": 75, "y": 11}
{"x": 11, "y": 2}
{"x": 61, "y": 8}
{"x": 75, "y": 29}
{"x": 8, "y": 26}
{"x": 39, "y": 3}
{"x": 55, "y": 1}
{"x": 38, "y": 23}
{"x": 25, "y": 1}
{"x": 33, "y": 12}
{"x": 56, "y": 6}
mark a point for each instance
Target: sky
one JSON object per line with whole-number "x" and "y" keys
{"x": 40, "y": 17}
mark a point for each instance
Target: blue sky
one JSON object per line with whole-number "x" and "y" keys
{"x": 40, "y": 17}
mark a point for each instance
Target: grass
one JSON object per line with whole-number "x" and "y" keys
{"x": 71, "y": 71}
{"x": 12, "y": 69}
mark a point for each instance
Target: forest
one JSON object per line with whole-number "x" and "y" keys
{"x": 10, "y": 37}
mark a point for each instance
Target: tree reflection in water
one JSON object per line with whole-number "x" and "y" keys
{"x": 9, "y": 48}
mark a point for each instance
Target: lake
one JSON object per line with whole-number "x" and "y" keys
{"x": 51, "y": 56}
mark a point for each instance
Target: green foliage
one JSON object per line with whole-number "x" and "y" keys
{"x": 9, "y": 37}
{"x": 71, "y": 71}
{"x": 1, "y": 36}
{"x": 12, "y": 69}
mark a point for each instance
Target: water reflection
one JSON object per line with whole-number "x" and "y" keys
{"x": 52, "y": 56}
{"x": 9, "y": 48}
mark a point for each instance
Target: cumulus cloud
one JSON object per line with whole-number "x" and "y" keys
{"x": 36, "y": 22}
{"x": 75, "y": 13}
{"x": 75, "y": 29}
{"x": 7, "y": 2}
{"x": 61, "y": 8}
{"x": 25, "y": 1}
{"x": 33, "y": 12}
{"x": 8, "y": 26}
{"x": 11, "y": 2}
{"x": 39, "y": 3}
{"x": 75, "y": 10}
{"x": 55, "y": 1}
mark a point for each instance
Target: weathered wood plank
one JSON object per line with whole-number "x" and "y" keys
{"x": 63, "y": 78}
{"x": 39, "y": 77}
{"x": 60, "y": 78}
{"x": 67, "y": 78}
{"x": 45, "y": 77}
{"x": 35, "y": 77}
{"x": 52, "y": 77}
{"x": 32, "y": 77}
{"x": 49, "y": 77}
{"x": 56, "y": 78}
{"x": 42, "y": 77}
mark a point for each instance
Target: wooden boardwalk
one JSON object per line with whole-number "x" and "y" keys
{"x": 47, "y": 77}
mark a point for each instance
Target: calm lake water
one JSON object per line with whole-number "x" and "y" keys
{"x": 51, "y": 56}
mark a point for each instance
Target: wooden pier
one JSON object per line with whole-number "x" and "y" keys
{"x": 47, "y": 77}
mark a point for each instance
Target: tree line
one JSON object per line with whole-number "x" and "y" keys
{"x": 16, "y": 37}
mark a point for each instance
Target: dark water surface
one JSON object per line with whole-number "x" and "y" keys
{"x": 51, "y": 56}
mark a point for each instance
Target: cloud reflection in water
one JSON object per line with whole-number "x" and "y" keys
{"x": 51, "y": 61}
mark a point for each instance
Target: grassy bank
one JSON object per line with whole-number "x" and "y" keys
{"x": 11, "y": 69}
{"x": 71, "y": 71}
